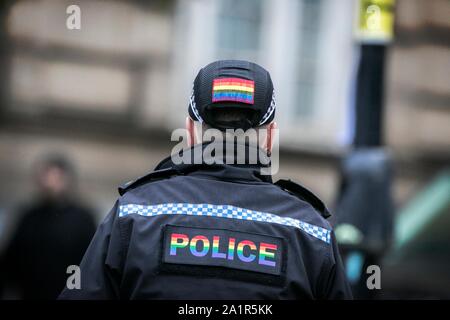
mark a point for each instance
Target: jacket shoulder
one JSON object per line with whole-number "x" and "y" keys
{"x": 147, "y": 178}
{"x": 304, "y": 194}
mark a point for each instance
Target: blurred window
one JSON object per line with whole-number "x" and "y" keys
{"x": 239, "y": 25}
{"x": 308, "y": 59}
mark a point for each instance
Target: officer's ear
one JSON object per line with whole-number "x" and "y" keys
{"x": 271, "y": 128}
{"x": 190, "y": 131}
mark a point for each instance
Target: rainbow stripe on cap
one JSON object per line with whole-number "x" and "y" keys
{"x": 233, "y": 89}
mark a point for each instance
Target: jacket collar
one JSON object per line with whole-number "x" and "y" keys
{"x": 222, "y": 161}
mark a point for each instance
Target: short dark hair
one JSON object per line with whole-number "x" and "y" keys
{"x": 56, "y": 161}
{"x": 228, "y": 116}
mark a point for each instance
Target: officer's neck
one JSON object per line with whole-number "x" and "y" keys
{"x": 230, "y": 153}
{"x": 235, "y": 158}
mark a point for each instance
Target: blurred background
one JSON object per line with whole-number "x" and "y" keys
{"x": 364, "y": 118}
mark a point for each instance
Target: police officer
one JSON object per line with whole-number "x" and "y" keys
{"x": 207, "y": 225}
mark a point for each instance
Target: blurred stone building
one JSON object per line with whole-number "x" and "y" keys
{"x": 109, "y": 95}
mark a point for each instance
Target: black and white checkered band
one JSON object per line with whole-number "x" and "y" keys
{"x": 270, "y": 111}
{"x": 193, "y": 107}
{"x": 223, "y": 211}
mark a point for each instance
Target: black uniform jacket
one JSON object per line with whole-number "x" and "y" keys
{"x": 215, "y": 231}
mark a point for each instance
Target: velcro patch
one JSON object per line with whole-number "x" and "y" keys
{"x": 223, "y": 248}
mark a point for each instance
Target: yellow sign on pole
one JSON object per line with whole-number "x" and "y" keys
{"x": 375, "y": 21}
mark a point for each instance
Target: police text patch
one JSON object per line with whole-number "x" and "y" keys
{"x": 223, "y": 248}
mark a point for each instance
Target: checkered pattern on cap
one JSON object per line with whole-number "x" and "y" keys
{"x": 193, "y": 107}
{"x": 222, "y": 211}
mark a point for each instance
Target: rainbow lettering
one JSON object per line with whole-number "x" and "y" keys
{"x": 193, "y": 246}
{"x": 231, "y": 246}
{"x": 247, "y": 251}
{"x": 175, "y": 243}
{"x": 240, "y": 250}
{"x": 264, "y": 254}
{"x": 215, "y": 249}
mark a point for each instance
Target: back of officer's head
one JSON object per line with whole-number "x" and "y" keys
{"x": 234, "y": 97}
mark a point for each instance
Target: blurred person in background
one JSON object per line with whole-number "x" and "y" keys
{"x": 52, "y": 234}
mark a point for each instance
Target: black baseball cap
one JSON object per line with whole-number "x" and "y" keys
{"x": 229, "y": 85}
